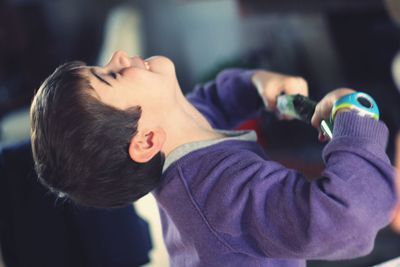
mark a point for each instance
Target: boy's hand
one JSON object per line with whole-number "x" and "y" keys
{"x": 324, "y": 108}
{"x": 270, "y": 85}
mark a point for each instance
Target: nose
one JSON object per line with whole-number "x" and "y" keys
{"x": 119, "y": 60}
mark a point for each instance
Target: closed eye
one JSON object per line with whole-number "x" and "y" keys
{"x": 99, "y": 77}
{"x": 113, "y": 75}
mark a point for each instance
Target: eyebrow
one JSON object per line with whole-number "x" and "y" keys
{"x": 99, "y": 77}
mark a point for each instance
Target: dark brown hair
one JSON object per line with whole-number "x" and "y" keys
{"x": 80, "y": 145}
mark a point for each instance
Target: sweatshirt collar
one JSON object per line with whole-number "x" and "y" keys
{"x": 185, "y": 149}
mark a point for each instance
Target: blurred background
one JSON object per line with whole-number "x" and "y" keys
{"x": 331, "y": 43}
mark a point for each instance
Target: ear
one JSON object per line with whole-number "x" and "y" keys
{"x": 146, "y": 144}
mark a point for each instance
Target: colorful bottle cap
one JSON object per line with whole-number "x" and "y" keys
{"x": 359, "y": 102}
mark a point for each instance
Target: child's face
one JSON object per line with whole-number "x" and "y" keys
{"x": 131, "y": 81}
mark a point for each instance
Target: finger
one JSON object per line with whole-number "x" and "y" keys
{"x": 325, "y": 137}
{"x": 325, "y": 110}
{"x": 316, "y": 118}
{"x": 322, "y": 112}
{"x": 320, "y": 137}
{"x": 287, "y": 85}
{"x": 271, "y": 92}
{"x": 295, "y": 85}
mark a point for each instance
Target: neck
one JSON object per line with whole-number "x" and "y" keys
{"x": 186, "y": 125}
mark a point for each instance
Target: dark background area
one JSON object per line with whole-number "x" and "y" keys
{"x": 331, "y": 43}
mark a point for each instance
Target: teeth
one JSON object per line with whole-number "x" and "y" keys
{"x": 146, "y": 64}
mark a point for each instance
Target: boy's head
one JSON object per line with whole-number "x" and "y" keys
{"x": 96, "y": 131}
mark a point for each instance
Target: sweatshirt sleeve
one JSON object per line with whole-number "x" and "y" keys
{"x": 229, "y": 100}
{"x": 278, "y": 214}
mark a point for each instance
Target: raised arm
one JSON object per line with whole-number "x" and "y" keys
{"x": 237, "y": 95}
{"x": 269, "y": 210}
{"x": 273, "y": 211}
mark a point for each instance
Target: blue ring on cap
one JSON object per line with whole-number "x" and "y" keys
{"x": 359, "y": 102}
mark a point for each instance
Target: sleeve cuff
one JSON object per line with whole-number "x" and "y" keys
{"x": 349, "y": 124}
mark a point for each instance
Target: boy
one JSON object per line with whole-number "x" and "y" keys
{"x": 100, "y": 137}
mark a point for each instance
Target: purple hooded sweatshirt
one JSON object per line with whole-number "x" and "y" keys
{"x": 225, "y": 203}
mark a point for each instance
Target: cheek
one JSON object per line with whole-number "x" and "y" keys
{"x": 133, "y": 73}
{"x": 137, "y": 79}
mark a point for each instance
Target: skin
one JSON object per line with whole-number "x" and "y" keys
{"x": 324, "y": 108}
{"x": 168, "y": 120}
